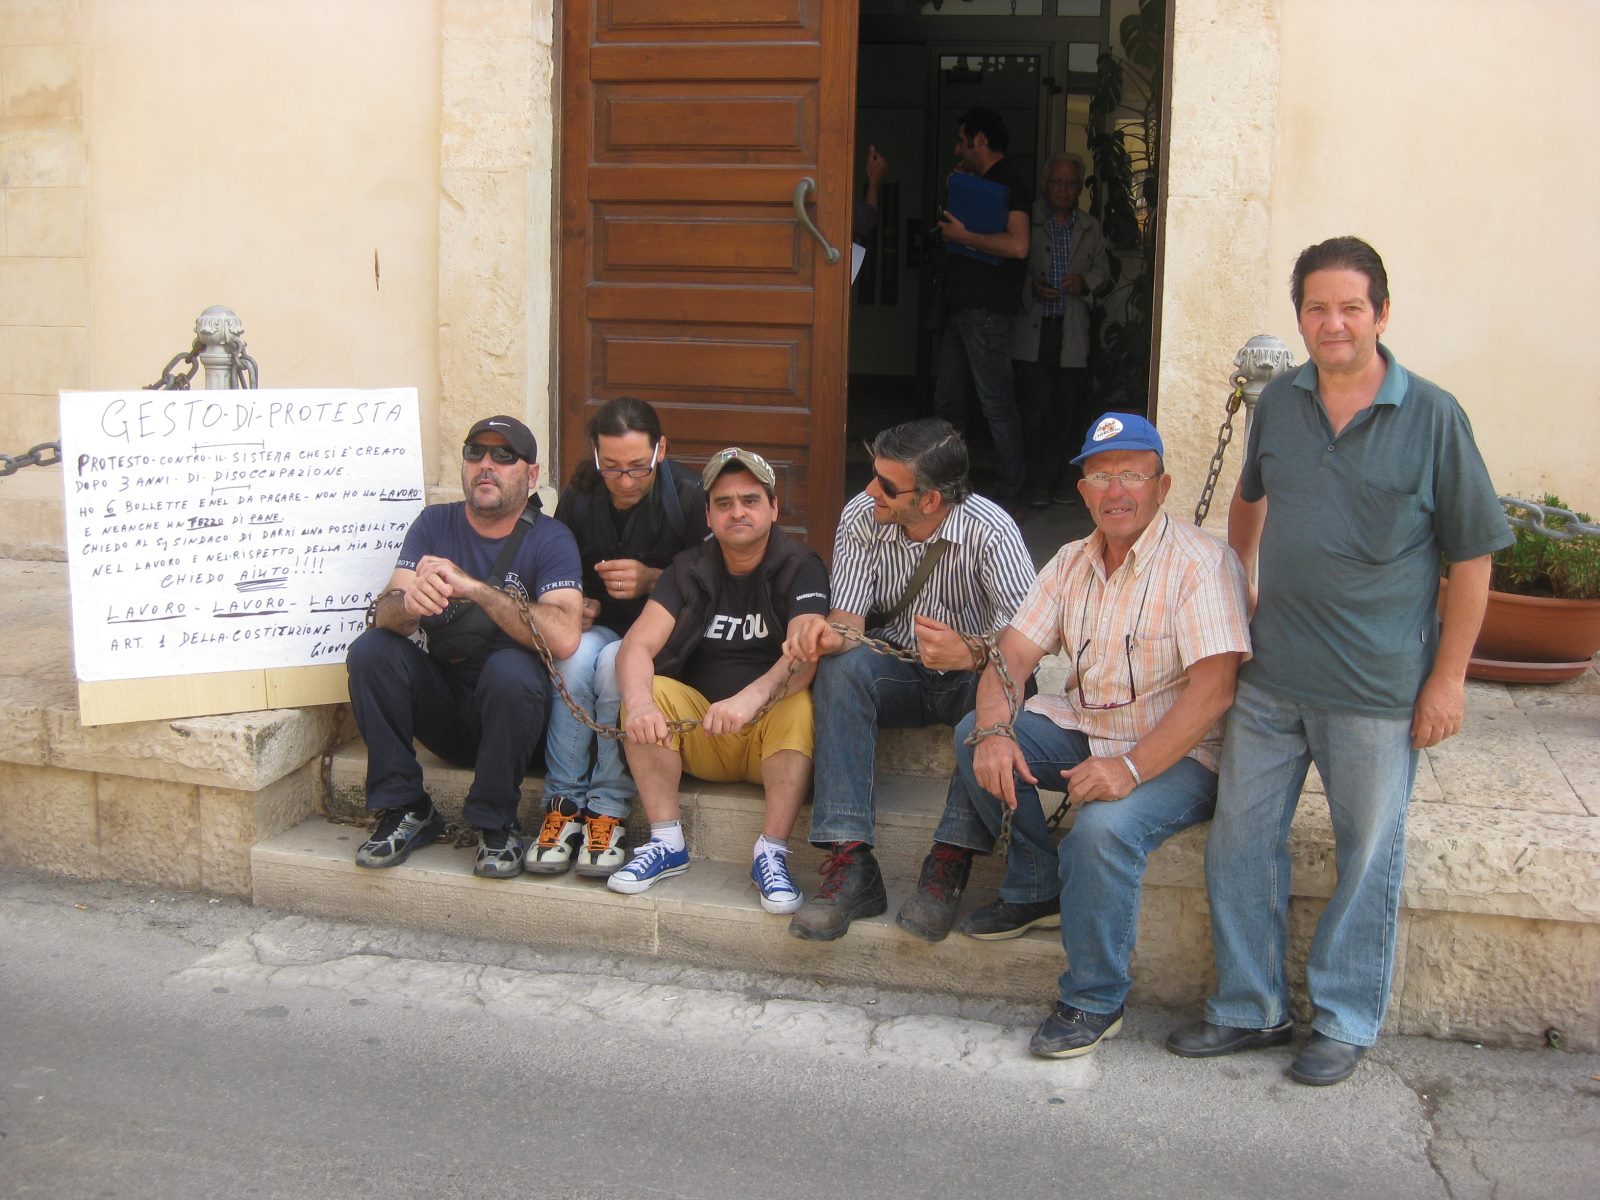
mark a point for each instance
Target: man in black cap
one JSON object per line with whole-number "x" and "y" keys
{"x": 478, "y": 695}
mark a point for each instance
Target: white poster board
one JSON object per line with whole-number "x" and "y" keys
{"x": 230, "y": 531}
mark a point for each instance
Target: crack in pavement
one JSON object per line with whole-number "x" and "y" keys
{"x": 296, "y": 952}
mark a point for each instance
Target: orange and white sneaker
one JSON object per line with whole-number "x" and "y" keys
{"x": 559, "y": 838}
{"x": 603, "y": 852}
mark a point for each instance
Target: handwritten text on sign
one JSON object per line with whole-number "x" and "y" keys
{"x": 231, "y": 530}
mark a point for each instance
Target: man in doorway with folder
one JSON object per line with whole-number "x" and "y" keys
{"x": 985, "y": 230}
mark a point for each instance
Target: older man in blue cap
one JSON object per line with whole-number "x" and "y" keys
{"x": 1151, "y": 616}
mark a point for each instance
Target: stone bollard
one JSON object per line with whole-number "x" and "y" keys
{"x": 221, "y": 337}
{"x": 1260, "y": 360}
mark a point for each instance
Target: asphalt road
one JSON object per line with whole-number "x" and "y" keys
{"x": 162, "y": 1045}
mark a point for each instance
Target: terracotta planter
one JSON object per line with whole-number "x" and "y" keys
{"x": 1534, "y": 639}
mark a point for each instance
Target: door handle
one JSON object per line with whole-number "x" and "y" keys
{"x": 801, "y": 190}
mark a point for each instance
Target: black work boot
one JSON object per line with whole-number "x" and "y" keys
{"x": 852, "y": 886}
{"x": 931, "y": 909}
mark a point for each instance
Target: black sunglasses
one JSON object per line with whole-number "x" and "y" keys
{"x": 889, "y": 490}
{"x": 504, "y": 455}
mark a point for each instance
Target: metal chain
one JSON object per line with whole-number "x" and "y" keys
{"x": 170, "y": 380}
{"x": 1202, "y": 507}
{"x": 542, "y": 649}
{"x": 1533, "y": 516}
{"x": 243, "y": 370}
{"x": 45, "y": 454}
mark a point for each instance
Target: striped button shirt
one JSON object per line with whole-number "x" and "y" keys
{"x": 974, "y": 588}
{"x": 1178, "y": 597}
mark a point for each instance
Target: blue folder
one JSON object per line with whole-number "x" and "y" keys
{"x": 981, "y": 206}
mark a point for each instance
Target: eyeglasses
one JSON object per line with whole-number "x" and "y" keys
{"x": 1127, "y": 650}
{"x": 504, "y": 455}
{"x": 630, "y": 472}
{"x": 1101, "y": 480}
{"x": 1133, "y": 694}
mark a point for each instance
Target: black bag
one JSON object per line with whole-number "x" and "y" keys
{"x": 463, "y": 634}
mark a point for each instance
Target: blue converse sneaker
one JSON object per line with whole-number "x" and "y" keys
{"x": 770, "y": 873}
{"x": 652, "y": 861}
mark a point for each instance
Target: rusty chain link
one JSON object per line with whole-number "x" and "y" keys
{"x": 1202, "y": 507}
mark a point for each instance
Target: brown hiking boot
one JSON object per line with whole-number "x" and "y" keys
{"x": 930, "y": 911}
{"x": 852, "y": 886}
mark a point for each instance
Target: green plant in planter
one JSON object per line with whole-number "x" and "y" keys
{"x": 1536, "y": 565}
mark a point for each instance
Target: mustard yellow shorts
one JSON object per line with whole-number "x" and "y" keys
{"x": 727, "y": 757}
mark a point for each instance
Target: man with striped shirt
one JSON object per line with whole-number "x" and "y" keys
{"x": 1151, "y": 614}
{"x": 918, "y": 511}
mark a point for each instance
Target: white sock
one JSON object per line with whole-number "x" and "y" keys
{"x": 764, "y": 843}
{"x": 668, "y": 833}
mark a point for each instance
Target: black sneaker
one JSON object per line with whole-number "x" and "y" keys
{"x": 500, "y": 854}
{"x": 399, "y": 831}
{"x": 1003, "y": 919}
{"x": 1069, "y": 1032}
{"x": 852, "y": 886}
{"x": 930, "y": 910}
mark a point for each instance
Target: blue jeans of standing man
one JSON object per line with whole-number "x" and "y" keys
{"x": 1367, "y": 766}
{"x": 1102, "y": 857}
{"x": 605, "y": 787}
{"x": 854, "y": 693}
{"x": 977, "y": 346}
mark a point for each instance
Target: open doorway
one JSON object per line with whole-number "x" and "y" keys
{"x": 920, "y": 65}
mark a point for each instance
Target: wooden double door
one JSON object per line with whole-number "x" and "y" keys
{"x": 687, "y": 277}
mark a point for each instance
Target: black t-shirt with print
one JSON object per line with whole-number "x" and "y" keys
{"x": 738, "y": 647}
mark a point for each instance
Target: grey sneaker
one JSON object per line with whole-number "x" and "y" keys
{"x": 399, "y": 831}
{"x": 500, "y": 854}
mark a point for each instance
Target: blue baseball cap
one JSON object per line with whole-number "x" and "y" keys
{"x": 1121, "y": 431}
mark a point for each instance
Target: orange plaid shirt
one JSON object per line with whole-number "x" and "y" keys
{"x": 1178, "y": 597}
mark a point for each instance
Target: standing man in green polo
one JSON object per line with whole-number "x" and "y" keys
{"x": 1357, "y": 478}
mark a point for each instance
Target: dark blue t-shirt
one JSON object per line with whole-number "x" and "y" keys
{"x": 546, "y": 560}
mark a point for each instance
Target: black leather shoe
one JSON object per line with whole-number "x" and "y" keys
{"x": 1205, "y": 1040}
{"x": 852, "y": 886}
{"x": 929, "y": 911}
{"x": 1324, "y": 1060}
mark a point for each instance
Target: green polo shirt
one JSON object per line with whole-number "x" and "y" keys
{"x": 1349, "y": 557}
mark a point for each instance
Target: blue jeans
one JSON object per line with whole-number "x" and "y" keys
{"x": 1102, "y": 857}
{"x": 490, "y": 718}
{"x": 977, "y": 346}
{"x": 605, "y": 787}
{"x": 1367, "y": 766}
{"x": 853, "y": 695}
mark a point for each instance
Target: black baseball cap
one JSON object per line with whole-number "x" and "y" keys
{"x": 517, "y": 435}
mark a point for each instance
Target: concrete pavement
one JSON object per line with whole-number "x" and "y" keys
{"x": 166, "y": 1044}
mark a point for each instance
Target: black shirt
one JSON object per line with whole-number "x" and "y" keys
{"x": 969, "y": 283}
{"x": 738, "y": 647}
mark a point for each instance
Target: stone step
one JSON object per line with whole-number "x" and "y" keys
{"x": 709, "y": 915}
{"x": 721, "y": 820}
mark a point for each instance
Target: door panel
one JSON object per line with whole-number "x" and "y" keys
{"x": 685, "y": 278}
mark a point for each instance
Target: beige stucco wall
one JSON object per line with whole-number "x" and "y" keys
{"x": 260, "y": 156}
{"x": 1456, "y": 136}
{"x": 1412, "y": 125}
